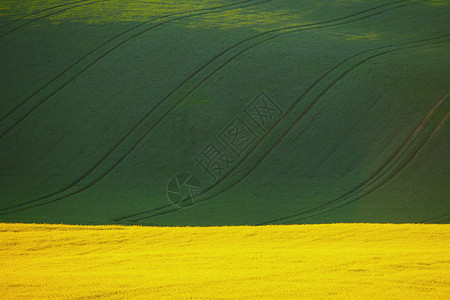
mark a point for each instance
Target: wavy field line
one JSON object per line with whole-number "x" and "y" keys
{"x": 439, "y": 126}
{"x": 293, "y": 125}
{"x": 199, "y": 70}
{"x": 260, "y": 43}
{"x": 50, "y": 14}
{"x": 303, "y": 27}
{"x": 301, "y": 97}
{"x": 378, "y": 174}
{"x": 390, "y": 163}
{"x": 143, "y": 119}
{"x": 311, "y": 26}
{"x": 296, "y": 123}
{"x": 405, "y": 146}
{"x": 191, "y": 14}
{"x": 393, "y": 175}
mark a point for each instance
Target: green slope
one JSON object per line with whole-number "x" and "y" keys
{"x": 308, "y": 111}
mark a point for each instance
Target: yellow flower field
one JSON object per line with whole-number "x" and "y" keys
{"x": 367, "y": 261}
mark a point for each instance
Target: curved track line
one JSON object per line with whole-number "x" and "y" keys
{"x": 104, "y": 55}
{"x": 146, "y": 116}
{"x": 307, "y": 28}
{"x": 297, "y": 100}
{"x": 314, "y": 24}
{"x": 298, "y": 28}
{"x": 172, "y": 207}
{"x": 390, "y": 162}
{"x": 298, "y": 120}
{"x": 393, "y": 175}
{"x": 439, "y": 126}
{"x": 41, "y": 11}
{"x": 410, "y": 141}
{"x": 51, "y": 14}
{"x": 271, "y": 149}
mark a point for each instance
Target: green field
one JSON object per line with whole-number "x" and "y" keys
{"x": 283, "y": 111}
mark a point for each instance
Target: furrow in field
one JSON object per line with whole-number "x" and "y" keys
{"x": 379, "y": 175}
{"x": 62, "y": 82}
{"x": 310, "y": 26}
{"x": 295, "y": 124}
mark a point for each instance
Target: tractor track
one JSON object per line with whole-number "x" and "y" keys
{"x": 310, "y": 26}
{"x": 90, "y": 53}
{"x": 298, "y": 120}
{"x": 377, "y": 176}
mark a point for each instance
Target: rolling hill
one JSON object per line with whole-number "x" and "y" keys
{"x": 224, "y": 112}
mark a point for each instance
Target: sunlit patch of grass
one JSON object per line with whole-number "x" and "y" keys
{"x": 367, "y": 261}
{"x": 356, "y": 36}
{"x": 91, "y": 12}
{"x": 257, "y": 19}
{"x": 139, "y": 11}
{"x": 440, "y": 2}
{"x": 367, "y": 36}
{"x": 14, "y": 7}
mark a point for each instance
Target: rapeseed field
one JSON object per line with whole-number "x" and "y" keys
{"x": 337, "y": 261}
